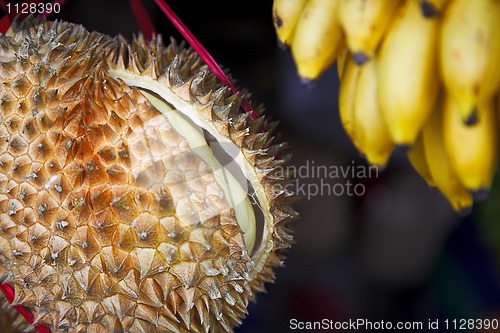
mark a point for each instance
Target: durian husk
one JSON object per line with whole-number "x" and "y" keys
{"x": 107, "y": 217}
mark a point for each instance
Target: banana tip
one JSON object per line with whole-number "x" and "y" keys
{"x": 480, "y": 195}
{"x": 380, "y": 168}
{"x": 471, "y": 119}
{"x": 360, "y": 58}
{"x": 465, "y": 211}
{"x": 282, "y": 45}
{"x": 278, "y": 22}
{"x": 428, "y": 10}
{"x": 403, "y": 148}
{"x": 309, "y": 83}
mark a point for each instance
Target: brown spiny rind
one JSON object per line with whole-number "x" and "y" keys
{"x": 108, "y": 221}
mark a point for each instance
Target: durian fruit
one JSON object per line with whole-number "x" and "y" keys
{"x": 135, "y": 195}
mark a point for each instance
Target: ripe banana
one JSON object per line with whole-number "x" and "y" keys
{"x": 498, "y": 102}
{"x": 416, "y": 156}
{"x": 286, "y": 13}
{"x": 341, "y": 61}
{"x": 407, "y": 73}
{"x": 469, "y": 53}
{"x": 317, "y": 40}
{"x": 364, "y": 23}
{"x": 347, "y": 94}
{"x": 432, "y": 8}
{"x": 440, "y": 167}
{"x": 472, "y": 149}
{"x": 370, "y": 129}
{"x": 498, "y": 106}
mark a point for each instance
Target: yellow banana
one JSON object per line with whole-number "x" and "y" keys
{"x": 370, "y": 129}
{"x": 286, "y": 13}
{"x": 317, "y": 39}
{"x": 347, "y": 93}
{"x": 341, "y": 60}
{"x": 364, "y": 23}
{"x": 416, "y": 156}
{"x": 472, "y": 149}
{"x": 440, "y": 167}
{"x": 407, "y": 73}
{"x": 432, "y": 8}
{"x": 498, "y": 105}
{"x": 470, "y": 53}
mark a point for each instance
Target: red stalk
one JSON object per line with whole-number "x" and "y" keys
{"x": 142, "y": 18}
{"x": 9, "y": 295}
{"x": 5, "y": 24}
{"x": 3, "y": 6}
{"x": 6, "y": 21}
{"x": 207, "y": 58}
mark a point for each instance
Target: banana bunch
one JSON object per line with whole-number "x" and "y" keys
{"x": 419, "y": 74}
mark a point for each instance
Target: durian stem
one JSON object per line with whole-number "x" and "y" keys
{"x": 4, "y": 24}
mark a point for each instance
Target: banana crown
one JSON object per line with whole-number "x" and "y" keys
{"x": 395, "y": 58}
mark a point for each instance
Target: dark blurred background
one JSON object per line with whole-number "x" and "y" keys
{"x": 397, "y": 252}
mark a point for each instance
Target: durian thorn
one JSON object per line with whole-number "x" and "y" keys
{"x": 9, "y": 295}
